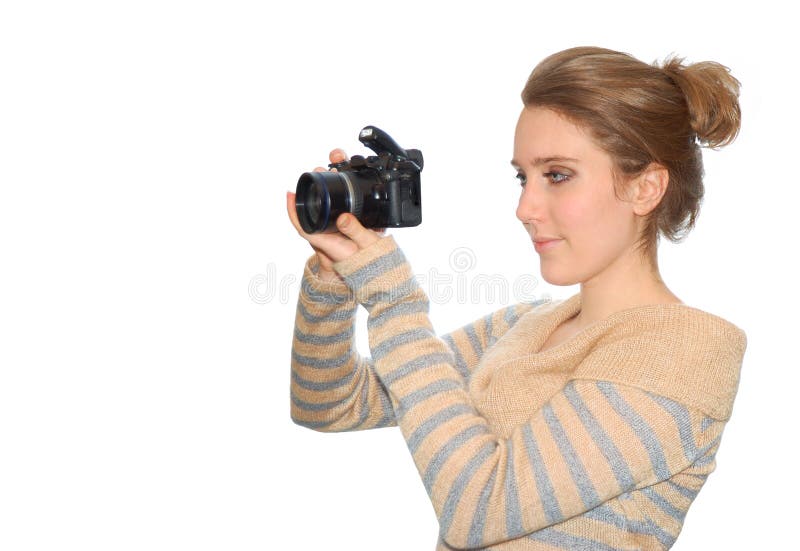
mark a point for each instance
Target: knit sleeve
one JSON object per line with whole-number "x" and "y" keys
{"x": 590, "y": 442}
{"x": 333, "y": 388}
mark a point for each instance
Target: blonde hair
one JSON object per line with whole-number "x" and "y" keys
{"x": 641, "y": 114}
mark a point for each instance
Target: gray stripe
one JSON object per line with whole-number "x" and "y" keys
{"x": 310, "y": 406}
{"x": 460, "y": 485}
{"x": 568, "y": 541}
{"x": 604, "y": 513}
{"x": 706, "y": 455}
{"x": 420, "y": 362}
{"x": 546, "y": 494}
{"x": 576, "y": 468}
{"x": 510, "y": 316}
{"x": 364, "y": 406}
{"x": 321, "y": 386}
{"x": 388, "y": 419}
{"x": 683, "y": 422}
{"x": 437, "y": 387}
{"x": 340, "y": 314}
{"x": 449, "y": 448}
{"x": 382, "y": 349}
{"x": 475, "y": 536}
{"x": 396, "y": 293}
{"x": 374, "y": 269}
{"x": 324, "y": 297}
{"x": 652, "y": 528}
{"x": 434, "y": 421}
{"x": 705, "y": 449}
{"x": 472, "y": 335}
{"x": 513, "y": 511}
{"x": 322, "y": 363}
{"x": 707, "y": 422}
{"x": 683, "y": 490}
{"x": 311, "y": 338}
{"x": 398, "y": 309}
{"x": 640, "y": 427}
{"x": 488, "y": 328}
{"x": 316, "y": 425}
{"x": 663, "y": 504}
{"x": 609, "y": 450}
{"x": 705, "y": 460}
{"x": 516, "y": 311}
{"x": 461, "y": 365}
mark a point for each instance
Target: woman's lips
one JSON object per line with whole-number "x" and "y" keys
{"x": 543, "y": 246}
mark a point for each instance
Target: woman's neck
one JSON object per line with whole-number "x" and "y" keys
{"x": 620, "y": 287}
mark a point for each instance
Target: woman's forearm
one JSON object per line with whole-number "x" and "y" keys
{"x": 332, "y": 387}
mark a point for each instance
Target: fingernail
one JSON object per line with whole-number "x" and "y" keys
{"x": 343, "y": 221}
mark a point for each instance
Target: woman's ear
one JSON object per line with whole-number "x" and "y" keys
{"x": 649, "y": 187}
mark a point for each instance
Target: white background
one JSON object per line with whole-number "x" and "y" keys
{"x": 145, "y": 148}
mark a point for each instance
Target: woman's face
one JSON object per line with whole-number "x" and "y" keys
{"x": 568, "y": 194}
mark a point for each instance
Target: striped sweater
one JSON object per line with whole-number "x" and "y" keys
{"x": 600, "y": 442}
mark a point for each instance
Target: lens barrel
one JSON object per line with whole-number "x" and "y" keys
{"x": 322, "y": 196}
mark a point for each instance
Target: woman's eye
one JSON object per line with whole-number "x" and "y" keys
{"x": 557, "y": 177}
{"x": 554, "y": 177}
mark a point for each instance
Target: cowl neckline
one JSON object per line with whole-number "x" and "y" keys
{"x": 554, "y": 313}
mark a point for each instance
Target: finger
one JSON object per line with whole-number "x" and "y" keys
{"x": 352, "y": 228}
{"x": 337, "y": 155}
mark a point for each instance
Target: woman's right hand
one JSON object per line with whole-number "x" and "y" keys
{"x": 329, "y": 247}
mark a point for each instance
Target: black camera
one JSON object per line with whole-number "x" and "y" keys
{"x": 382, "y": 191}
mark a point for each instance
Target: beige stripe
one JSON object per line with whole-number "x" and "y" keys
{"x": 469, "y": 500}
{"x": 666, "y": 521}
{"x": 566, "y": 492}
{"x": 623, "y": 436}
{"x": 531, "y": 507}
{"x": 388, "y": 281}
{"x": 421, "y": 413}
{"x": 323, "y": 328}
{"x": 598, "y": 531}
{"x": 452, "y": 467}
{"x": 663, "y": 425}
{"x": 320, "y": 351}
{"x": 591, "y": 456}
{"x": 321, "y": 397}
{"x": 462, "y": 342}
{"x": 439, "y": 436}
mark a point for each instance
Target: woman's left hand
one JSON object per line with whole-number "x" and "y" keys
{"x": 351, "y": 238}
{"x": 337, "y": 246}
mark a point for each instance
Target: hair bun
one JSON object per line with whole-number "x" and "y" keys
{"x": 712, "y": 95}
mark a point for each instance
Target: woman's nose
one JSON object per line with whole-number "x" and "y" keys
{"x": 530, "y": 204}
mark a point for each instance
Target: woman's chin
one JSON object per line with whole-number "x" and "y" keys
{"x": 556, "y": 277}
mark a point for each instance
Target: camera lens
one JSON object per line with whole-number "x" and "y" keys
{"x": 322, "y": 196}
{"x": 313, "y": 202}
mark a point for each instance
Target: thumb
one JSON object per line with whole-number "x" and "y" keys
{"x": 352, "y": 228}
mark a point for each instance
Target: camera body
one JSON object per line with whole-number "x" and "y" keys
{"x": 382, "y": 191}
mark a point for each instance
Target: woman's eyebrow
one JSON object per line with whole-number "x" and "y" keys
{"x": 544, "y": 160}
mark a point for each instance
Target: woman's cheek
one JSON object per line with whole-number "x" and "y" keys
{"x": 576, "y": 216}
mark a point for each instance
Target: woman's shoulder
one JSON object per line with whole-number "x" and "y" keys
{"x": 690, "y": 330}
{"x": 675, "y": 350}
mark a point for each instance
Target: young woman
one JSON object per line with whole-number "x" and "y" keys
{"x": 585, "y": 423}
